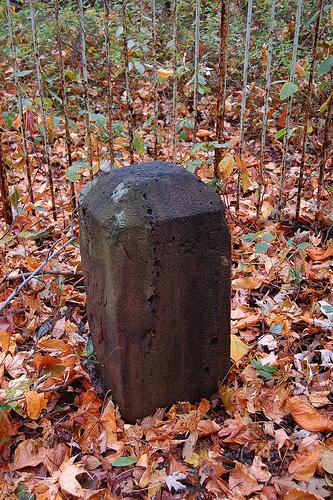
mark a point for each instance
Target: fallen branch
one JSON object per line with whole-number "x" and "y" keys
{"x": 17, "y": 290}
{"x": 39, "y": 390}
{"x": 54, "y": 272}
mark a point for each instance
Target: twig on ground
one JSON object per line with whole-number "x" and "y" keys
{"x": 17, "y": 290}
{"x": 54, "y": 272}
{"x": 39, "y": 390}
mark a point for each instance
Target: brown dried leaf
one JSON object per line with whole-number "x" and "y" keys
{"x": 320, "y": 254}
{"x": 304, "y": 465}
{"x": 242, "y": 482}
{"x": 249, "y": 282}
{"x": 29, "y": 453}
{"x": 306, "y": 416}
{"x": 299, "y": 494}
{"x": 67, "y": 478}
{"x": 207, "y": 428}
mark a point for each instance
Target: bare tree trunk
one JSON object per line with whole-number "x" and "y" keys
{"x": 127, "y": 83}
{"x": 85, "y": 81}
{"x": 42, "y": 104}
{"x": 19, "y": 104}
{"x": 196, "y": 69}
{"x": 289, "y": 106}
{"x": 325, "y": 154}
{"x": 308, "y": 108}
{"x": 109, "y": 82}
{"x": 174, "y": 80}
{"x": 7, "y": 207}
{"x": 261, "y": 177}
{"x": 244, "y": 96}
{"x": 63, "y": 91}
{"x": 154, "y": 54}
{"x": 224, "y": 27}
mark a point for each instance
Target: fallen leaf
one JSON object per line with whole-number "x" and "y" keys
{"x": 300, "y": 70}
{"x": 49, "y": 345}
{"x": 202, "y": 133}
{"x": 36, "y": 402}
{"x": 266, "y": 209}
{"x": 320, "y": 254}
{"x": 6, "y": 428}
{"x": 250, "y": 283}
{"x": 259, "y": 470}
{"x": 299, "y": 494}
{"x": 247, "y": 322}
{"x": 306, "y": 416}
{"x": 226, "y": 165}
{"x": 189, "y": 445}
{"x": 109, "y": 422}
{"x": 319, "y": 398}
{"x": 236, "y": 431}
{"x": 242, "y": 482}
{"x": 59, "y": 328}
{"x": 7, "y": 344}
{"x": 326, "y": 459}
{"x": 282, "y": 439}
{"x": 207, "y": 428}
{"x": 164, "y": 73}
{"x": 29, "y": 453}
{"x": 67, "y": 478}
{"x": 304, "y": 465}
{"x": 173, "y": 481}
{"x": 238, "y": 348}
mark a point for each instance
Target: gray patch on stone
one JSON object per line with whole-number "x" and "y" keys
{"x": 120, "y": 191}
{"x": 120, "y": 218}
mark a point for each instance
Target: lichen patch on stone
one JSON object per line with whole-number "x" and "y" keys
{"x": 120, "y": 191}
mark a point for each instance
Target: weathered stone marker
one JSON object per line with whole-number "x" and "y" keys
{"x": 156, "y": 260}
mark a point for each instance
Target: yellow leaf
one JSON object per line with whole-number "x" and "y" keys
{"x": 35, "y": 404}
{"x": 226, "y": 165}
{"x": 245, "y": 179}
{"x": 325, "y": 104}
{"x": 226, "y": 395}
{"x": 238, "y": 348}
{"x": 196, "y": 458}
{"x": 331, "y": 16}
{"x": 70, "y": 74}
{"x": 300, "y": 70}
{"x": 164, "y": 73}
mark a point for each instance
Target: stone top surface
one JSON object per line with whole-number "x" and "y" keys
{"x": 124, "y": 197}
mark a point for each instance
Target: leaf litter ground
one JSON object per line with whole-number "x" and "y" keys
{"x": 266, "y": 434}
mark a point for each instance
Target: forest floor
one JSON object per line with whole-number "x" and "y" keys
{"x": 267, "y": 434}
